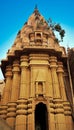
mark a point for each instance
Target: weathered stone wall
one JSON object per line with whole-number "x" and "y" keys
{"x": 4, "y": 125}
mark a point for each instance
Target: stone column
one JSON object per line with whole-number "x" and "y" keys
{"x": 50, "y": 87}
{"x": 30, "y": 119}
{"x": 60, "y": 72}
{"x": 3, "y": 111}
{"x": 8, "y": 85}
{"x": 68, "y": 116}
{"x": 67, "y": 105}
{"x": 21, "y": 118}
{"x": 44, "y": 91}
{"x": 51, "y": 115}
{"x": 7, "y": 92}
{"x": 24, "y": 78}
{"x": 33, "y": 74}
{"x": 11, "y": 114}
{"x": 36, "y": 87}
{"x": 55, "y": 83}
{"x": 16, "y": 81}
{"x": 60, "y": 122}
{"x": 14, "y": 95}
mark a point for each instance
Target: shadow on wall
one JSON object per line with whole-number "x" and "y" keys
{"x": 4, "y": 125}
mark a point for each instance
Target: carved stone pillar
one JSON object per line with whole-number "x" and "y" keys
{"x": 16, "y": 81}
{"x": 11, "y": 114}
{"x": 50, "y": 87}
{"x": 31, "y": 116}
{"x": 51, "y": 115}
{"x": 53, "y": 66}
{"x": 61, "y": 81}
{"x": 3, "y": 111}
{"x": 21, "y": 120}
{"x": 7, "y": 92}
{"x": 8, "y": 86}
{"x": 68, "y": 116}
{"x": 24, "y": 78}
{"x": 32, "y": 92}
{"x": 60, "y": 122}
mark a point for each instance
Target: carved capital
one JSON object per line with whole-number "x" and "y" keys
{"x": 60, "y": 67}
{"x": 24, "y": 61}
{"x": 8, "y": 71}
{"x": 53, "y": 62}
{"x": 16, "y": 66}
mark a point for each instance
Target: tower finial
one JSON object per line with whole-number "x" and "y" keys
{"x": 36, "y": 8}
{"x": 36, "y": 11}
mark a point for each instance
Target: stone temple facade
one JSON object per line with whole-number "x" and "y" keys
{"x": 37, "y": 93}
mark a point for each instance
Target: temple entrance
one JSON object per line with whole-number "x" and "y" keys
{"x": 41, "y": 117}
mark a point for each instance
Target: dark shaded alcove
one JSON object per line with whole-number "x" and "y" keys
{"x": 41, "y": 117}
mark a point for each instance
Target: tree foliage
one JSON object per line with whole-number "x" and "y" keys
{"x": 56, "y": 27}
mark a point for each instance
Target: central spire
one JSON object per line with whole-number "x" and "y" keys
{"x": 36, "y": 11}
{"x": 35, "y": 33}
{"x": 36, "y": 7}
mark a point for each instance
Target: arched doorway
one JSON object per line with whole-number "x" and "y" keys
{"x": 41, "y": 117}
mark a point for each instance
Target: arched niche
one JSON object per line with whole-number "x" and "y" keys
{"x": 41, "y": 117}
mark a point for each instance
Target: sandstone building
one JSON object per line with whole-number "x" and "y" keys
{"x": 37, "y": 93}
{"x": 71, "y": 65}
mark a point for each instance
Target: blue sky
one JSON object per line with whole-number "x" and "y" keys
{"x": 14, "y": 13}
